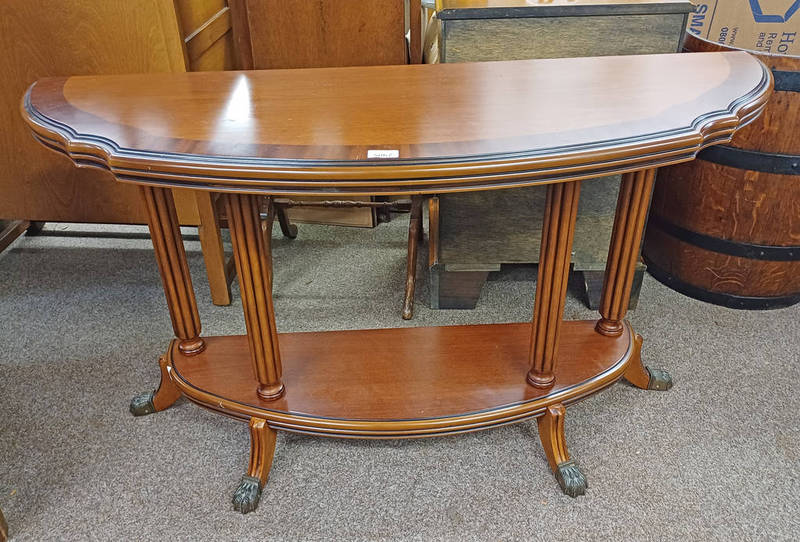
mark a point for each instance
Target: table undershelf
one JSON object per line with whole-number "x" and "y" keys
{"x": 401, "y": 382}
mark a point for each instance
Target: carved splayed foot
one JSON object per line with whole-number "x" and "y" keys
{"x": 142, "y": 405}
{"x": 660, "y": 380}
{"x": 247, "y": 495}
{"x": 571, "y": 479}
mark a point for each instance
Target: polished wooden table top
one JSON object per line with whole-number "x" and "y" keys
{"x": 451, "y": 126}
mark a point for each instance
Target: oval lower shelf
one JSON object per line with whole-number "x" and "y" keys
{"x": 405, "y": 382}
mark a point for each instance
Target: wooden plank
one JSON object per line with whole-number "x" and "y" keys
{"x": 357, "y": 217}
{"x": 415, "y": 36}
{"x": 404, "y": 374}
{"x": 192, "y": 14}
{"x": 303, "y": 34}
{"x": 199, "y": 41}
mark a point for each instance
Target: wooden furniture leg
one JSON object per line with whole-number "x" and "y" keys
{"x": 163, "y": 398}
{"x": 10, "y": 230}
{"x": 219, "y": 280}
{"x": 626, "y": 239}
{"x": 252, "y": 248}
{"x": 287, "y": 228}
{"x": 561, "y": 210}
{"x": 551, "y": 432}
{"x": 262, "y": 451}
{"x": 171, "y": 257}
{"x": 414, "y": 235}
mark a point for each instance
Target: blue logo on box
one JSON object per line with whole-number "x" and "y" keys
{"x": 761, "y": 17}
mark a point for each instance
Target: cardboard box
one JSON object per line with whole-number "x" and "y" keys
{"x": 761, "y": 26}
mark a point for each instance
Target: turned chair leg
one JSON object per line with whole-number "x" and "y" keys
{"x": 287, "y": 228}
{"x": 160, "y": 399}
{"x": 551, "y": 432}
{"x": 219, "y": 280}
{"x": 262, "y": 451}
{"x": 414, "y": 236}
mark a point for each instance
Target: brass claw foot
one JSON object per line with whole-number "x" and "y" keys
{"x": 551, "y": 433}
{"x": 643, "y": 377}
{"x": 571, "y": 479}
{"x": 142, "y": 404}
{"x": 660, "y": 380}
{"x": 247, "y": 495}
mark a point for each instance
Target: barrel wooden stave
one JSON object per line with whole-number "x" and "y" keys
{"x": 705, "y": 216}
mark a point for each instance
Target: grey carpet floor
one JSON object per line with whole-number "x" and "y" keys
{"x": 83, "y": 320}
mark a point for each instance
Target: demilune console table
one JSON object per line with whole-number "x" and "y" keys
{"x": 377, "y": 131}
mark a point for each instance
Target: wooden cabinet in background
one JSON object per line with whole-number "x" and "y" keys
{"x": 480, "y": 231}
{"x": 42, "y": 38}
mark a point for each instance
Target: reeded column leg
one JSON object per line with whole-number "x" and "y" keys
{"x": 262, "y": 451}
{"x": 626, "y": 239}
{"x": 414, "y": 236}
{"x": 171, "y": 257}
{"x": 561, "y": 209}
{"x": 252, "y": 248}
{"x": 551, "y": 432}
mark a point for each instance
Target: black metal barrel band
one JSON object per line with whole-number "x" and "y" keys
{"x": 740, "y": 249}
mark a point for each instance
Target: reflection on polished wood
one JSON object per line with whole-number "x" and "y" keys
{"x": 307, "y": 132}
{"x": 401, "y": 382}
{"x": 292, "y": 131}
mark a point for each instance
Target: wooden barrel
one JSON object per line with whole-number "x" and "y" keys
{"x": 725, "y": 228}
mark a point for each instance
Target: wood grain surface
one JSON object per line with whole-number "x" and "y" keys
{"x": 716, "y": 272}
{"x": 769, "y": 132}
{"x": 42, "y": 38}
{"x": 558, "y": 230}
{"x": 308, "y": 131}
{"x": 735, "y": 204}
{"x": 303, "y": 34}
{"x": 395, "y": 382}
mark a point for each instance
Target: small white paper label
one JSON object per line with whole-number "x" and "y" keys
{"x": 383, "y": 153}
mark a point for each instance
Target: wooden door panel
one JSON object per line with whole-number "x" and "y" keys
{"x": 41, "y": 38}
